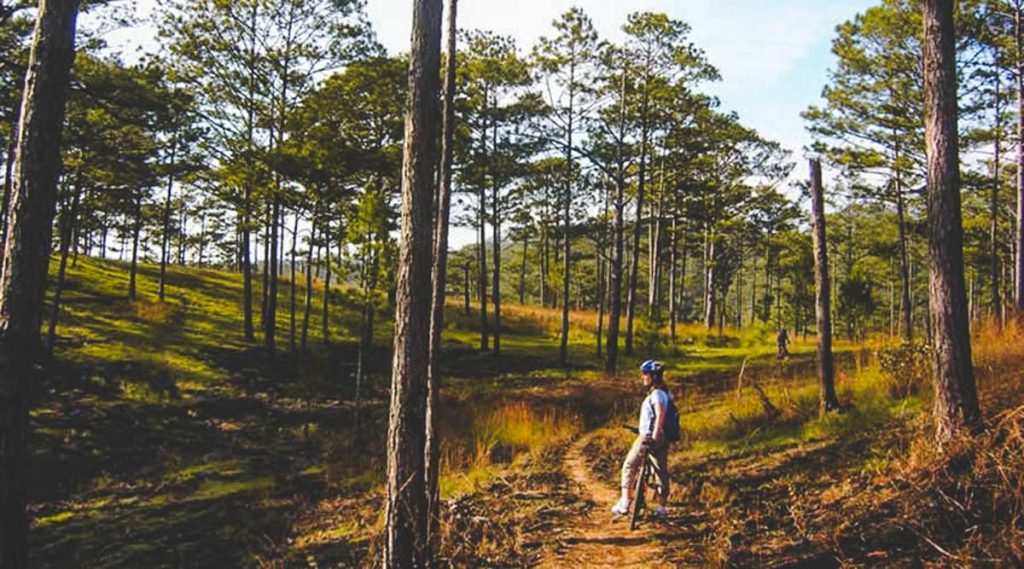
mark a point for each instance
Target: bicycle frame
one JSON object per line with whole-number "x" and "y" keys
{"x": 647, "y": 477}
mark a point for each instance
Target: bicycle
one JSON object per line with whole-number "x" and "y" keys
{"x": 646, "y": 478}
{"x": 783, "y": 352}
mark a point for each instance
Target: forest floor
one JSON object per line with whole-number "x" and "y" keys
{"x": 162, "y": 439}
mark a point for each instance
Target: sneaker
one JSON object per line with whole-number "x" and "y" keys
{"x": 661, "y": 513}
{"x": 621, "y": 508}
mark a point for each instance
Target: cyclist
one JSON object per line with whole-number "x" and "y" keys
{"x": 782, "y": 340}
{"x": 650, "y": 437}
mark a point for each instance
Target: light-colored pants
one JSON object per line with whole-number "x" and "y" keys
{"x": 631, "y": 466}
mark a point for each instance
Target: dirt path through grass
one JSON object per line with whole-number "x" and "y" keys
{"x": 596, "y": 539}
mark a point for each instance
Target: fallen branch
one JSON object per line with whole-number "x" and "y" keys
{"x": 739, "y": 380}
{"x": 769, "y": 409}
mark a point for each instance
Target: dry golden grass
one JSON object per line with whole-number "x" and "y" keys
{"x": 496, "y": 436}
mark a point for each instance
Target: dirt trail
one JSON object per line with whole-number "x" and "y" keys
{"x": 596, "y": 539}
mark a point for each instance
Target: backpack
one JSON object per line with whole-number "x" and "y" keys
{"x": 670, "y": 427}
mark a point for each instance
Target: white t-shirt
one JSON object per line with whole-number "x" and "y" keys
{"x": 647, "y": 411}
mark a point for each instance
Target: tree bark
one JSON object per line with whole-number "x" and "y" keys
{"x": 270, "y": 319}
{"x": 250, "y": 334}
{"x": 611, "y": 361}
{"x": 292, "y": 284}
{"x": 567, "y": 205}
{"x": 828, "y": 401}
{"x": 544, "y": 262}
{"x": 906, "y": 304}
{"x": 634, "y": 267}
{"x": 656, "y": 231}
{"x": 67, "y": 225}
{"x": 308, "y": 305}
{"x": 405, "y": 543}
{"x": 482, "y": 253}
{"x": 26, "y": 257}
{"x": 1019, "y": 229}
{"x": 136, "y": 233}
{"x": 710, "y": 290}
{"x": 496, "y": 244}
{"x": 956, "y": 399}
{"x": 602, "y": 270}
{"x": 266, "y": 269}
{"x": 325, "y": 306}
{"x": 465, "y": 289}
{"x": 439, "y": 275}
{"x": 8, "y": 180}
{"x": 994, "y": 264}
{"x": 672, "y": 262}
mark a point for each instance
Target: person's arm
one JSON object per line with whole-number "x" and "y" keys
{"x": 659, "y": 417}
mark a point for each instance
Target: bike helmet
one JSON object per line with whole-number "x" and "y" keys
{"x": 653, "y": 367}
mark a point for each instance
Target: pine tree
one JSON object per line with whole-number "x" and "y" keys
{"x": 405, "y": 542}
{"x": 26, "y": 257}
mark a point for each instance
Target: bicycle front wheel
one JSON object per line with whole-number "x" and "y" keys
{"x": 639, "y": 490}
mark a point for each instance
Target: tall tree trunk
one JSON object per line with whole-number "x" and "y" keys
{"x": 308, "y": 304}
{"x": 27, "y": 243}
{"x": 482, "y": 252}
{"x": 602, "y": 271}
{"x": 325, "y": 306}
{"x": 405, "y": 544}
{"x": 994, "y": 266}
{"x": 522, "y": 270}
{"x": 369, "y": 305}
{"x": 266, "y": 270}
{"x": 673, "y": 255}
{"x": 466, "y": 289}
{"x": 615, "y": 289}
{"x": 828, "y": 401}
{"x": 544, "y": 264}
{"x": 68, "y": 220}
{"x": 710, "y": 290}
{"x": 439, "y": 276}
{"x": 201, "y": 244}
{"x": 182, "y": 234}
{"x": 906, "y": 303}
{"x": 292, "y": 284}
{"x": 567, "y": 212}
{"x": 611, "y": 360}
{"x": 250, "y": 334}
{"x": 496, "y": 244}
{"x": 8, "y": 180}
{"x": 270, "y": 328}
{"x": 956, "y": 399}
{"x": 136, "y": 233}
{"x": 657, "y": 229}
{"x": 634, "y": 266}
{"x": 1018, "y": 295}
{"x": 76, "y": 244}
{"x": 602, "y": 293}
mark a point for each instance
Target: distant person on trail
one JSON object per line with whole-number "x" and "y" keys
{"x": 783, "y": 342}
{"x": 651, "y": 437}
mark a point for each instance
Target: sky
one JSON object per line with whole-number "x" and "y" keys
{"x": 773, "y": 55}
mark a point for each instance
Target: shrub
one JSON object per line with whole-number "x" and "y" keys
{"x": 907, "y": 367}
